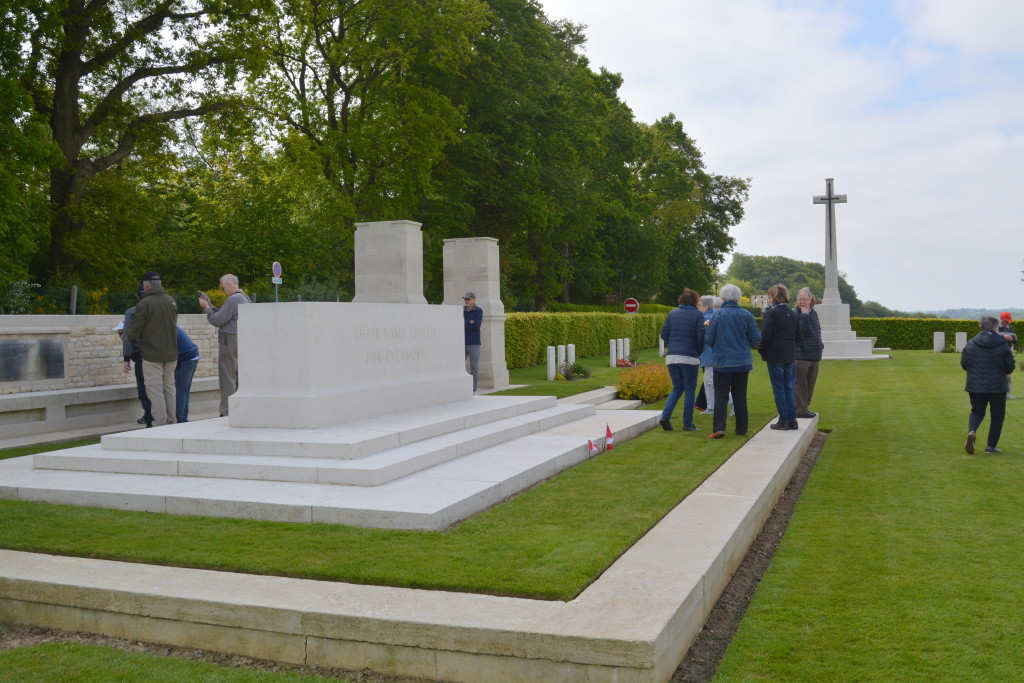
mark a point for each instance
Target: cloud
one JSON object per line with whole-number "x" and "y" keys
{"x": 915, "y": 107}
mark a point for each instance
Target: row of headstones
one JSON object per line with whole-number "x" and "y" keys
{"x": 565, "y": 354}
{"x": 939, "y": 341}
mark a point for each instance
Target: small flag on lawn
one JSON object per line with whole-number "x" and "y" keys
{"x": 592, "y": 446}
{"x": 609, "y": 438}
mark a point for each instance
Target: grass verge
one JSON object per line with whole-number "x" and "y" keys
{"x": 62, "y": 662}
{"x": 902, "y": 560}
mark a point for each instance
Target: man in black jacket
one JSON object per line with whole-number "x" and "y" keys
{"x": 988, "y": 362}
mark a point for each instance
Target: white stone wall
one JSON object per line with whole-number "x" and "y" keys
{"x": 92, "y": 350}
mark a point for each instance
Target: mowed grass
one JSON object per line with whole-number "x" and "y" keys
{"x": 549, "y": 542}
{"x": 63, "y": 662}
{"x": 903, "y": 560}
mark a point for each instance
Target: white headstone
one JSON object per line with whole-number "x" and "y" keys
{"x": 938, "y": 342}
{"x": 551, "y": 363}
{"x": 612, "y": 357}
{"x": 961, "y": 341}
{"x": 570, "y": 354}
{"x": 560, "y": 353}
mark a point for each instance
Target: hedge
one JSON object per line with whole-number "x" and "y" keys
{"x": 911, "y": 334}
{"x": 527, "y": 335}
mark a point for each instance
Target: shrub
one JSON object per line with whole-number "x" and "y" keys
{"x": 527, "y": 335}
{"x": 575, "y": 371}
{"x": 647, "y": 383}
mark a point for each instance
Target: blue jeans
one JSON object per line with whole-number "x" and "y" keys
{"x": 183, "y": 373}
{"x": 781, "y": 375}
{"x": 684, "y": 383}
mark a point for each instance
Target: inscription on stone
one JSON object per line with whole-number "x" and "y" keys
{"x": 389, "y": 337}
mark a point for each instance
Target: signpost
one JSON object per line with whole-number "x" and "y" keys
{"x": 631, "y": 305}
{"x": 276, "y": 270}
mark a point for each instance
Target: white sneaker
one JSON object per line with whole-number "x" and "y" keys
{"x": 708, "y": 412}
{"x": 732, "y": 411}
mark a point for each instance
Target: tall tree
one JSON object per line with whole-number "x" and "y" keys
{"x": 353, "y": 91}
{"x": 106, "y": 74}
{"x": 690, "y": 210}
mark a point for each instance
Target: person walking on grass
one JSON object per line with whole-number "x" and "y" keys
{"x": 988, "y": 362}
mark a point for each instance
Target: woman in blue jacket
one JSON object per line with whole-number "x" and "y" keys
{"x": 732, "y": 333}
{"x": 683, "y": 333}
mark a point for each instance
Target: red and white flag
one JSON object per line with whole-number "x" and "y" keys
{"x": 609, "y": 438}
{"x": 592, "y": 446}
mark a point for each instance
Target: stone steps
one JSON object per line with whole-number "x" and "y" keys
{"x": 354, "y": 439}
{"x": 373, "y": 469}
{"x": 433, "y": 498}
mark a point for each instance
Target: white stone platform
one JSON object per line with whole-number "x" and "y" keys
{"x": 632, "y": 625}
{"x": 420, "y": 469}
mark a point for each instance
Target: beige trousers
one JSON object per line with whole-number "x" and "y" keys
{"x": 159, "y": 379}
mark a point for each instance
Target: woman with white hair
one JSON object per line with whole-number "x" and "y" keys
{"x": 988, "y": 362}
{"x": 732, "y": 333}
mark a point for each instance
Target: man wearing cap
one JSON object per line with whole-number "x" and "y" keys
{"x": 132, "y": 353}
{"x": 473, "y": 316}
{"x": 154, "y": 325}
{"x": 1006, "y": 329}
{"x": 225, "y": 319}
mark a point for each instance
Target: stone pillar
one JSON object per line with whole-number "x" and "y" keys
{"x": 471, "y": 264}
{"x": 938, "y": 341}
{"x": 389, "y": 263}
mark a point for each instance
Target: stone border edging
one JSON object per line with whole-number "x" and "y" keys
{"x": 634, "y": 623}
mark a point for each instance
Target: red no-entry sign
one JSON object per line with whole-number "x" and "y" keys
{"x": 631, "y": 305}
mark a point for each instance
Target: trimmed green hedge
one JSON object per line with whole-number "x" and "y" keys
{"x": 527, "y": 335}
{"x": 911, "y": 334}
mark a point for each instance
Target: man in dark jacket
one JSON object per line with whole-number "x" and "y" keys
{"x": 988, "y": 362}
{"x": 132, "y": 354}
{"x": 808, "y": 353}
{"x": 779, "y": 339}
{"x": 155, "y": 327}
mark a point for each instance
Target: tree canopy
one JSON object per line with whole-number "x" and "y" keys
{"x": 197, "y": 137}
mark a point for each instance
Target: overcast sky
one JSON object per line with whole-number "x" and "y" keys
{"x": 915, "y": 107}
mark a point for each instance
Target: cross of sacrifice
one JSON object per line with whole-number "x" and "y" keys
{"x": 830, "y": 198}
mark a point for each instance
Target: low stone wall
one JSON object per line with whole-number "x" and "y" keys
{"x": 92, "y": 355}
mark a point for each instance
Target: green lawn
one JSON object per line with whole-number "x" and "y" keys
{"x": 549, "y": 542}
{"x": 64, "y": 662}
{"x": 903, "y": 559}
{"x": 901, "y": 563}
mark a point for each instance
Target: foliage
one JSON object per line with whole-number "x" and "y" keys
{"x": 911, "y": 333}
{"x": 110, "y": 76}
{"x": 573, "y": 371}
{"x": 648, "y": 383}
{"x": 527, "y": 335}
{"x": 16, "y": 296}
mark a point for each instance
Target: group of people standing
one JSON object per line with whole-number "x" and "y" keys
{"x": 716, "y": 333}
{"x": 166, "y": 358}
{"x": 988, "y": 360}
